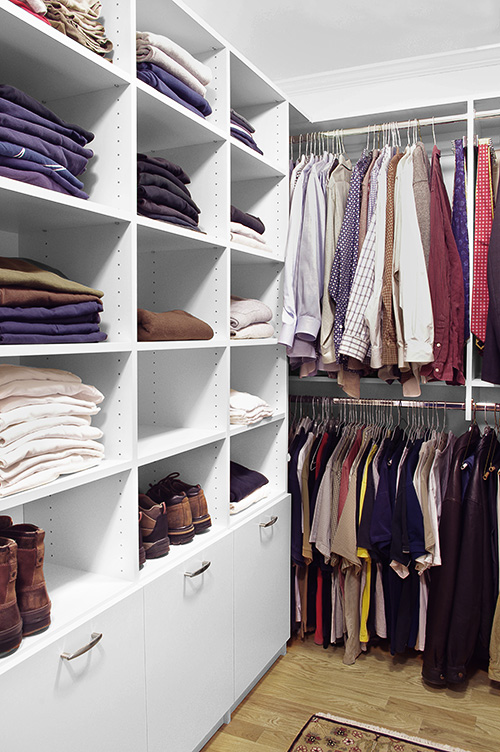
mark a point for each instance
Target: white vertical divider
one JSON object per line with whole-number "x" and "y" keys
{"x": 471, "y": 170}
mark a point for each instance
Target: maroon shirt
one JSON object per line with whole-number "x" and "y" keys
{"x": 446, "y": 286}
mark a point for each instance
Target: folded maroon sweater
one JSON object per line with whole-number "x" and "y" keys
{"x": 170, "y": 325}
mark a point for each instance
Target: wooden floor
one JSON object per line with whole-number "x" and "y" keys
{"x": 378, "y": 689}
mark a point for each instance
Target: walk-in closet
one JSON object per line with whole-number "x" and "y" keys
{"x": 227, "y": 425}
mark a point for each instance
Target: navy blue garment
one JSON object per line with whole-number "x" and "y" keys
{"x": 165, "y": 197}
{"x": 241, "y": 121}
{"x": 247, "y": 140}
{"x": 364, "y": 537}
{"x": 249, "y": 220}
{"x": 15, "y": 110}
{"x": 17, "y": 151}
{"x": 171, "y": 220}
{"x": 171, "y": 167}
{"x": 296, "y": 494}
{"x": 414, "y": 516}
{"x": 147, "y": 178}
{"x": 149, "y": 168}
{"x": 75, "y": 163}
{"x": 41, "y": 130}
{"x": 11, "y": 94}
{"x": 169, "y": 85}
{"x": 56, "y": 177}
{"x": 381, "y": 523}
{"x": 243, "y": 481}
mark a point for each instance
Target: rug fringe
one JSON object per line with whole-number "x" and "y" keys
{"x": 390, "y": 732}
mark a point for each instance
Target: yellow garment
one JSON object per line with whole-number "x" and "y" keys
{"x": 363, "y": 554}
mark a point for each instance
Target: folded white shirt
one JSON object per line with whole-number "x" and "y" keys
{"x": 9, "y": 373}
{"x": 12, "y": 403}
{"x": 245, "y": 400}
{"x": 47, "y": 472}
{"x": 247, "y": 501}
{"x": 147, "y": 53}
{"x": 15, "y": 453}
{"x": 237, "y": 237}
{"x": 26, "y": 413}
{"x": 29, "y": 464}
{"x": 199, "y": 70}
{"x": 35, "y": 388}
{"x": 263, "y": 330}
{"x": 30, "y": 428}
{"x": 244, "y": 230}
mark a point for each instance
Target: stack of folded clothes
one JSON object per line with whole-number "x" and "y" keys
{"x": 37, "y": 147}
{"x": 249, "y": 319}
{"x": 246, "y": 409}
{"x": 45, "y": 430}
{"x": 40, "y": 306}
{"x": 79, "y": 20}
{"x": 173, "y": 71}
{"x": 34, "y": 7}
{"x": 245, "y": 487}
{"x": 248, "y": 230}
{"x": 162, "y": 192}
{"x": 242, "y": 130}
{"x": 170, "y": 325}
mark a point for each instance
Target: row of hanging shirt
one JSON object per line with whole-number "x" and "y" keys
{"x": 377, "y": 265}
{"x": 395, "y": 535}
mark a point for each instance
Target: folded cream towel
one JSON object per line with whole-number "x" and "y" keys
{"x": 248, "y": 231}
{"x": 253, "y": 331}
{"x": 237, "y": 237}
{"x": 246, "y": 311}
{"x": 199, "y": 70}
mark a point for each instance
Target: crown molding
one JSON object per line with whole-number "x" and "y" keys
{"x": 393, "y": 70}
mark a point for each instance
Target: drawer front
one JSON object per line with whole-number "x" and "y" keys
{"x": 93, "y": 702}
{"x": 189, "y": 649}
{"x": 261, "y": 591}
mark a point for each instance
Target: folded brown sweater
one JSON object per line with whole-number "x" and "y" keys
{"x": 21, "y": 273}
{"x": 22, "y": 297}
{"x": 170, "y": 325}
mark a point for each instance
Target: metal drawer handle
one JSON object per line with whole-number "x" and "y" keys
{"x": 272, "y": 521}
{"x": 95, "y": 637}
{"x": 199, "y": 571}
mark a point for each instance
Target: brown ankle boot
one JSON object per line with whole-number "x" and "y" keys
{"x": 11, "y": 625}
{"x": 32, "y": 596}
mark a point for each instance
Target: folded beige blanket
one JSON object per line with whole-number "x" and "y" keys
{"x": 253, "y": 331}
{"x": 199, "y": 70}
{"x": 246, "y": 311}
{"x": 170, "y": 325}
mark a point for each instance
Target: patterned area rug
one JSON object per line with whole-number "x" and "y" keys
{"x": 326, "y": 733}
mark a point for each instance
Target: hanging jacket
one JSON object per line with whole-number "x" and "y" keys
{"x": 442, "y": 579}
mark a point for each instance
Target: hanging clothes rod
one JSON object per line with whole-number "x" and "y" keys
{"x": 476, "y": 406}
{"x": 401, "y": 124}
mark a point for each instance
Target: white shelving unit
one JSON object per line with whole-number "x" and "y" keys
{"x": 185, "y": 647}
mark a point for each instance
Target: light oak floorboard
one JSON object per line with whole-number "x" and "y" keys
{"x": 378, "y": 689}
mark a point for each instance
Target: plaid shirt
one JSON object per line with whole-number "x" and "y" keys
{"x": 356, "y": 337}
{"x": 346, "y": 253}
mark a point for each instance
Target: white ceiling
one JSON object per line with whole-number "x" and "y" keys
{"x": 290, "y": 38}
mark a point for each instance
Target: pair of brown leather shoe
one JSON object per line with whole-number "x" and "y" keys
{"x": 185, "y": 505}
{"x": 24, "y": 601}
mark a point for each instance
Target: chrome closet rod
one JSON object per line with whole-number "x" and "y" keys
{"x": 363, "y": 130}
{"x": 488, "y": 406}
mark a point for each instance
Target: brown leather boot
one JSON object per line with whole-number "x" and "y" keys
{"x": 32, "y": 596}
{"x": 180, "y": 519}
{"x": 196, "y": 498}
{"x": 11, "y": 625}
{"x": 153, "y": 526}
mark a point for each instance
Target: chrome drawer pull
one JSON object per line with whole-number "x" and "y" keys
{"x": 202, "y": 569}
{"x": 272, "y": 521}
{"x": 95, "y": 637}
